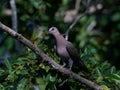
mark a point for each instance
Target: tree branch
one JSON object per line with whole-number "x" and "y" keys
{"x": 46, "y": 58}
{"x": 14, "y": 15}
{"x": 77, "y": 5}
{"x": 77, "y": 19}
{"x": 15, "y": 24}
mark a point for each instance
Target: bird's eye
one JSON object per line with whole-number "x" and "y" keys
{"x": 51, "y": 29}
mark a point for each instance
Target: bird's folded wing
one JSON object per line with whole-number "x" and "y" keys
{"x": 75, "y": 56}
{"x": 72, "y": 51}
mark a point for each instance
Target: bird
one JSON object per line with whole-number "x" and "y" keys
{"x": 66, "y": 51}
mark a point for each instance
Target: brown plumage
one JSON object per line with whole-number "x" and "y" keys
{"x": 66, "y": 51}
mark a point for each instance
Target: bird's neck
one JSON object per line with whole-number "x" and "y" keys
{"x": 60, "y": 40}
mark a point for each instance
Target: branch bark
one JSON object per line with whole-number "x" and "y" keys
{"x": 46, "y": 58}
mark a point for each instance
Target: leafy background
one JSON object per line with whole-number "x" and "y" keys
{"x": 96, "y": 37}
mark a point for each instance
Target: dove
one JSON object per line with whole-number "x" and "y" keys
{"x": 66, "y": 51}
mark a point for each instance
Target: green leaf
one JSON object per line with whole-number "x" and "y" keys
{"x": 99, "y": 79}
{"x": 47, "y": 68}
{"x": 24, "y": 17}
{"x": 52, "y": 79}
{"x": 1, "y": 87}
{"x": 98, "y": 72}
{"x": 105, "y": 87}
{"x": 37, "y": 4}
{"x": 85, "y": 57}
{"x": 11, "y": 76}
{"x": 65, "y": 2}
{"x": 114, "y": 77}
{"x": 22, "y": 84}
{"x": 113, "y": 69}
{"x": 42, "y": 85}
{"x": 8, "y": 64}
{"x": 1, "y": 71}
{"x": 94, "y": 62}
{"x": 105, "y": 65}
{"x": 116, "y": 17}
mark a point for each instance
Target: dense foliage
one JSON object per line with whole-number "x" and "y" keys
{"x": 96, "y": 37}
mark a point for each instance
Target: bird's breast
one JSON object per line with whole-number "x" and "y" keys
{"x": 62, "y": 52}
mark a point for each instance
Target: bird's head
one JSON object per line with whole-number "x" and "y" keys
{"x": 53, "y": 31}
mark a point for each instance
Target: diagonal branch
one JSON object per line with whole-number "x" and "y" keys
{"x": 77, "y": 19}
{"x": 46, "y": 58}
{"x": 74, "y": 23}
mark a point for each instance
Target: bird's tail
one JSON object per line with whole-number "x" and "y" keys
{"x": 83, "y": 67}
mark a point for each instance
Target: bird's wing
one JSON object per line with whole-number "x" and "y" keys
{"x": 72, "y": 51}
{"x": 74, "y": 55}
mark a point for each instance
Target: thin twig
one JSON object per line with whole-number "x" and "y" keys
{"x": 77, "y": 19}
{"x": 15, "y": 24}
{"x": 73, "y": 24}
{"x": 77, "y": 5}
{"x": 49, "y": 60}
{"x": 14, "y": 16}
